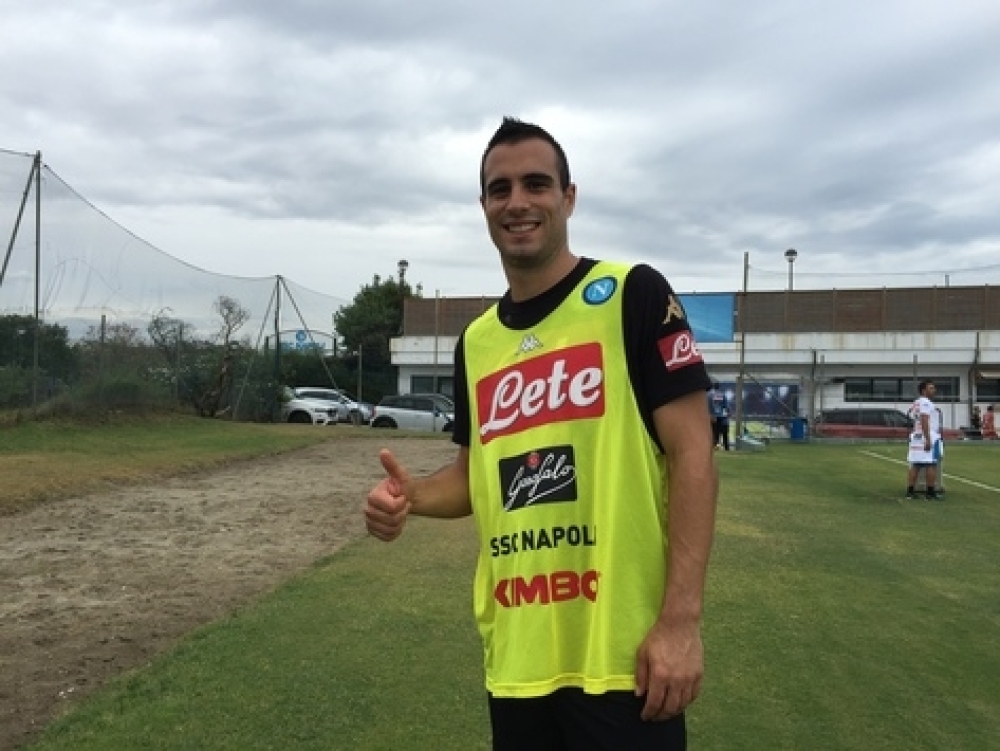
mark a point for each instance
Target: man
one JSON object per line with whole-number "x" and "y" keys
{"x": 718, "y": 407}
{"x": 989, "y": 423}
{"x": 579, "y": 401}
{"x": 926, "y": 448}
{"x": 976, "y": 419}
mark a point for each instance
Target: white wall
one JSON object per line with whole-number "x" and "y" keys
{"x": 422, "y": 355}
{"x": 814, "y": 361}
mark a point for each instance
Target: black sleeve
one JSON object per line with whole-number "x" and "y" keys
{"x": 663, "y": 358}
{"x": 462, "y": 431}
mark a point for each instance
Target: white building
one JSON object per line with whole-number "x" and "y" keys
{"x": 820, "y": 348}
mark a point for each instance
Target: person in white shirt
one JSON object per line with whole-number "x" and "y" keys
{"x": 926, "y": 447}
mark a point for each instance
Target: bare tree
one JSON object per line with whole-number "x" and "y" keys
{"x": 121, "y": 334}
{"x": 168, "y": 334}
{"x": 206, "y": 377}
{"x": 233, "y": 317}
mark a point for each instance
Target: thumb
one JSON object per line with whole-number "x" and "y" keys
{"x": 393, "y": 468}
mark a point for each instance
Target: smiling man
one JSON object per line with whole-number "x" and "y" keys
{"x": 585, "y": 456}
{"x": 527, "y": 209}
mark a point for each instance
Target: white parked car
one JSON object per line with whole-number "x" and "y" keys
{"x": 306, "y": 411}
{"x": 348, "y": 410}
{"x": 415, "y": 412}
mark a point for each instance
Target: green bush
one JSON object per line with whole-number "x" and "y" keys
{"x": 122, "y": 392}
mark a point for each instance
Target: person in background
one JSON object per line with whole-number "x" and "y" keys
{"x": 718, "y": 407}
{"x": 584, "y": 457}
{"x": 926, "y": 448}
{"x": 989, "y": 423}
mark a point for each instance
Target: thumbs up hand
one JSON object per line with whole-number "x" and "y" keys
{"x": 387, "y": 506}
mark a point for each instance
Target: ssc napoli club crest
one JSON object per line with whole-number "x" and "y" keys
{"x": 600, "y": 291}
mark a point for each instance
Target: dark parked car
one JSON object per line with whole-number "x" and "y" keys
{"x": 869, "y": 422}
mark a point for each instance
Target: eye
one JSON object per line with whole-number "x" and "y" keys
{"x": 498, "y": 190}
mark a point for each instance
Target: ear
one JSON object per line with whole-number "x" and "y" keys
{"x": 569, "y": 199}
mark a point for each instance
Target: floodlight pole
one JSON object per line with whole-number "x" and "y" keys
{"x": 790, "y": 255}
{"x": 437, "y": 331}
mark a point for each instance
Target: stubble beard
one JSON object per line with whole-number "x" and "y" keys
{"x": 531, "y": 259}
{"x": 527, "y": 261}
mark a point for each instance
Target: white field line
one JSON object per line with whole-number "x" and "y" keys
{"x": 949, "y": 476}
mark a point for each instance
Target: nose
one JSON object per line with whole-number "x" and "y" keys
{"x": 518, "y": 199}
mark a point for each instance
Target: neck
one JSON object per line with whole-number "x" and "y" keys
{"x": 528, "y": 283}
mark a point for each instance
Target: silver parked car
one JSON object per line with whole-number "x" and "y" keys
{"x": 415, "y": 412}
{"x": 348, "y": 410}
{"x": 306, "y": 411}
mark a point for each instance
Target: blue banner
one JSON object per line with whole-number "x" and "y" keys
{"x": 711, "y": 316}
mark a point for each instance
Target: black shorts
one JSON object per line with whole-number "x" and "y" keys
{"x": 570, "y": 720}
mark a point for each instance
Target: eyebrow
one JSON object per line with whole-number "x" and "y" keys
{"x": 530, "y": 177}
{"x": 539, "y": 177}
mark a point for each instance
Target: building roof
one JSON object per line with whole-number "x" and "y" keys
{"x": 834, "y": 310}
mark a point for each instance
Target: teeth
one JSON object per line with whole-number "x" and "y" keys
{"x": 521, "y": 227}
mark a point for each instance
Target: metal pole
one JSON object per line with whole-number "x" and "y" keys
{"x": 822, "y": 381}
{"x": 102, "y": 357}
{"x": 360, "y": 357}
{"x": 177, "y": 365}
{"x": 741, "y": 318}
{"x": 38, "y": 273}
{"x": 437, "y": 329}
{"x": 277, "y": 329}
{"x": 17, "y": 222}
{"x": 437, "y": 320}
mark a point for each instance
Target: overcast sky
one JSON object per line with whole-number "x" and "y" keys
{"x": 326, "y": 140}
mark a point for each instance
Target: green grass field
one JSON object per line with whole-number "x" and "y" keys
{"x": 838, "y": 616}
{"x": 54, "y": 458}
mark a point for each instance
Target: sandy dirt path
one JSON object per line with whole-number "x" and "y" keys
{"x": 95, "y": 585}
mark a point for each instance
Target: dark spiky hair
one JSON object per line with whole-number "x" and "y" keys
{"x": 512, "y": 130}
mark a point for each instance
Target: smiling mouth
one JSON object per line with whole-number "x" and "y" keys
{"x": 520, "y": 227}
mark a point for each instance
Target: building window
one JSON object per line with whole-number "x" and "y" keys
{"x": 421, "y": 384}
{"x": 947, "y": 389}
{"x": 896, "y": 389}
{"x": 987, "y": 389}
{"x": 425, "y": 384}
{"x": 858, "y": 390}
{"x": 886, "y": 389}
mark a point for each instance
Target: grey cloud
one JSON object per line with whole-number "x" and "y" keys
{"x": 696, "y": 131}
